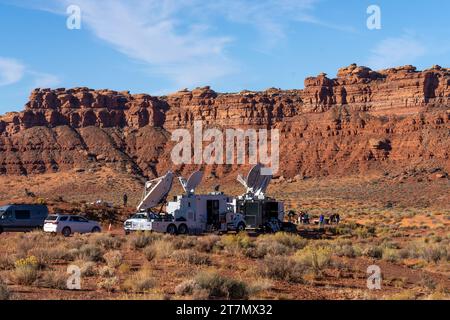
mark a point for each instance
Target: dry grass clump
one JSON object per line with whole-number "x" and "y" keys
{"x": 109, "y": 284}
{"x": 235, "y": 243}
{"x": 106, "y": 272}
{"x": 390, "y": 254}
{"x": 191, "y": 257}
{"x": 87, "y": 269}
{"x": 140, "y": 240}
{"x": 275, "y": 244}
{"x": 6, "y": 262}
{"x": 207, "y": 243}
{"x": 139, "y": 282}
{"x": 282, "y": 268}
{"x": 404, "y": 295}
{"x": 345, "y": 248}
{"x": 430, "y": 252}
{"x": 316, "y": 258}
{"x": 54, "y": 280}
{"x": 4, "y": 291}
{"x": 113, "y": 258}
{"x": 211, "y": 285}
{"x": 90, "y": 252}
{"x": 48, "y": 255}
{"x": 161, "y": 249}
{"x": 183, "y": 242}
{"x": 373, "y": 251}
{"x": 26, "y": 271}
{"x": 352, "y": 229}
{"x": 106, "y": 241}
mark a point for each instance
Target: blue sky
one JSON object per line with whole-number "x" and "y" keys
{"x": 161, "y": 46}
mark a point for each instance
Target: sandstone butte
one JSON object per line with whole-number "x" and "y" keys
{"x": 359, "y": 123}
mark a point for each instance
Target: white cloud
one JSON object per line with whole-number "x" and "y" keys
{"x": 185, "y": 40}
{"x": 44, "y": 80}
{"x": 398, "y": 51}
{"x": 153, "y": 32}
{"x": 11, "y": 71}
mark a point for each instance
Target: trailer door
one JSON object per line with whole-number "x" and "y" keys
{"x": 212, "y": 212}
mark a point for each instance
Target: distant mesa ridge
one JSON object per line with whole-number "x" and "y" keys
{"x": 361, "y": 121}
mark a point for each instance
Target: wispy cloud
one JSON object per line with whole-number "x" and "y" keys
{"x": 44, "y": 80}
{"x": 11, "y": 71}
{"x": 395, "y": 51}
{"x": 184, "y": 40}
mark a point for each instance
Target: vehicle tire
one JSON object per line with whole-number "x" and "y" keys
{"x": 240, "y": 227}
{"x": 1, "y": 230}
{"x": 96, "y": 230}
{"x": 183, "y": 229}
{"x": 172, "y": 229}
{"x": 66, "y": 232}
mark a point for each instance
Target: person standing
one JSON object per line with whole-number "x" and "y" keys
{"x": 125, "y": 199}
{"x": 321, "y": 221}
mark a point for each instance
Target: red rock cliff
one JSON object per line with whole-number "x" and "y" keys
{"x": 361, "y": 121}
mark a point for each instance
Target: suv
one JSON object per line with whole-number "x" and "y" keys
{"x": 22, "y": 217}
{"x": 68, "y": 224}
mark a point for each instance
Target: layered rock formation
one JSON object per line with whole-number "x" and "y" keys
{"x": 361, "y": 121}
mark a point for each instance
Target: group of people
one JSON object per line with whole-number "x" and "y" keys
{"x": 304, "y": 218}
{"x": 334, "y": 218}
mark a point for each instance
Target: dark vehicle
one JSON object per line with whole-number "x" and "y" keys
{"x": 22, "y": 217}
{"x": 263, "y": 214}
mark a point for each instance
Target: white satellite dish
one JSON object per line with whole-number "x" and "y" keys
{"x": 256, "y": 183}
{"x": 253, "y": 176}
{"x": 242, "y": 180}
{"x": 262, "y": 184}
{"x": 192, "y": 183}
{"x": 155, "y": 191}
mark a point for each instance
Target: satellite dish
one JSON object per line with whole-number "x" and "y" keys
{"x": 242, "y": 180}
{"x": 253, "y": 176}
{"x": 192, "y": 183}
{"x": 262, "y": 184}
{"x": 155, "y": 191}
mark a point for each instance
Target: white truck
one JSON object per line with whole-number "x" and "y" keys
{"x": 188, "y": 213}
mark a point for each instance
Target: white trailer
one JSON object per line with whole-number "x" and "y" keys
{"x": 188, "y": 213}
